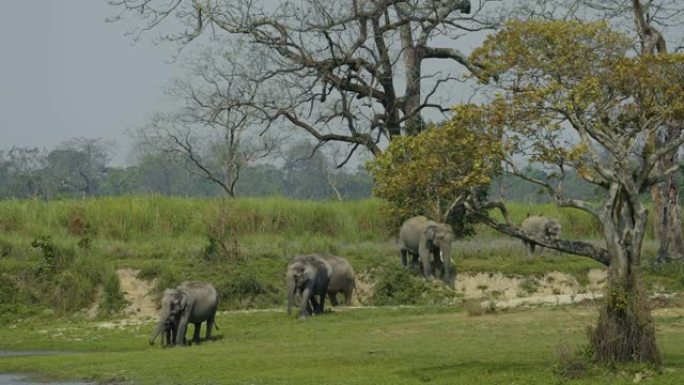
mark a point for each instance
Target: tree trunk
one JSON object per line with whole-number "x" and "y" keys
{"x": 668, "y": 215}
{"x": 625, "y": 331}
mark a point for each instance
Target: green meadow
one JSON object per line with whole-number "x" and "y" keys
{"x": 58, "y": 258}
{"x": 405, "y": 345}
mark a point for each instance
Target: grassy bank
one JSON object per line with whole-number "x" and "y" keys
{"x": 55, "y": 256}
{"x": 352, "y": 346}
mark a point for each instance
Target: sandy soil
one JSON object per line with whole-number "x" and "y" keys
{"x": 138, "y": 294}
{"x": 494, "y": 289}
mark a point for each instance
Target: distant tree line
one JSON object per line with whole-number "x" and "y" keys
{"x": 81, "y": 168}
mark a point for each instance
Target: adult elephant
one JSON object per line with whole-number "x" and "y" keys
{"x": 309, "y": 275}
{"x": 341, "y": 280}
{"x": 421, "y": 238}
{"x": 191, "y": 302}
{"x": 541, "y": 226}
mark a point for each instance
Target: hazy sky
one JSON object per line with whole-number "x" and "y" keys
{"x": 65, "y": 73}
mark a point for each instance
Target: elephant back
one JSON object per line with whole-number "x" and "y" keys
{"x": 204, "y": 298}
{"x": 342, "y": 272}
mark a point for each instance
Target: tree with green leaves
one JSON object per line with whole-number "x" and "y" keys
{"x": 572, "y": 96}
{"x": 655, "y": 26}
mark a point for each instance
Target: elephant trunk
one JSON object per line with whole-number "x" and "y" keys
{"x": 161, "y": 327}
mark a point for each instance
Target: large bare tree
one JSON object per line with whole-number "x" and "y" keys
{"x": 354, "y": 71}
{"x": 212, "y": 139}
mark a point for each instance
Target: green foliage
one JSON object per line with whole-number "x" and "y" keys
{"x": 172, "y": 253}
{"x": 430, "y": 172}
{"x": 248, "y": 288}
{"x": 112, "y": 300}
{"x": 395, "y": 285}
{"x": 141, "y": 217}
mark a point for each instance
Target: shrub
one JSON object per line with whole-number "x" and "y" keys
{"x": 473, "y": 307}
{"x": 570, "y": 364}
{"x": 113, "y": 299}
{"x": 245, "y": 288}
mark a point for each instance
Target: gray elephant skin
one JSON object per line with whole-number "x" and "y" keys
{"x": 422, "y": 238}
{"x": 541, "y": 226}
{"x": 341, "y": 280}
{"x": 190, "y": 302}
{"x": 170, "y": 331}
{"x": 309, "y": 275}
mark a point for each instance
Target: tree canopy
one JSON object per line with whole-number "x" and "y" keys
{"x": 570, "y": 96}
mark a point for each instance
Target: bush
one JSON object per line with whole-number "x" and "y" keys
{"x": 570, "y": 364}
{"x": 113, "y": 299}
{"x": 245, "y": 288}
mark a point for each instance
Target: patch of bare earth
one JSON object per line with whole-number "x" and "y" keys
{"x": 137, "y": 292}
{"x": 554, "y": 288}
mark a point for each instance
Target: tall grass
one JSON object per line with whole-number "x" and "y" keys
{"x": 134, "y": 217}
{"x": 241, "y": 245}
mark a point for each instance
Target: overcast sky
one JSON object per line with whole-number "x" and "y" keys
{"x": 66, "y": 73}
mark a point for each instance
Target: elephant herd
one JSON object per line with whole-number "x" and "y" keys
{"x": 314, "y": 276}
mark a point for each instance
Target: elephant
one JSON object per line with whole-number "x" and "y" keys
{"x": 341, "y": 280}
{"x": 190, "y": 302}
{"x": 170, "y": 331}
{"x": 420, "y": 237}
{"x": 310, "y": 276}
{"x": 541, "y": 226}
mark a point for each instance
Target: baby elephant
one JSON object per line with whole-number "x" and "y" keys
{"x": 192, "y": 302}
{"x": 170, "y": 331}
{"x": 541, "y": 226}
{"x": 341, "y": 279}
{"x": 308, "y": 275}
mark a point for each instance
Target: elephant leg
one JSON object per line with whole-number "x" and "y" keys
{"x": 321, "y": 305}
{"x": 348, "y": 296}
{"x": 304, "y": 305}
{"x": 333, "y": 299}
{"x": 404, "y": 255}
{"x": 180, "y": 337}
{"x": 196, "y": 333}
{"x": 427, "y": 266}
{"x": 210, "y": 325}
{"x": 415, "y": 262}
{"x": 447, "y": 271}
{"x": 532, "y": 246}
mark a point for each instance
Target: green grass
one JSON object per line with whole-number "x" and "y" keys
{"x": 81, "y": 243}
{"x": 437, "y": 345}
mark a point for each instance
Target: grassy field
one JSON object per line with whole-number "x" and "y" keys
{"x": 56, "y": 256}
{"x": 436, "y": 345}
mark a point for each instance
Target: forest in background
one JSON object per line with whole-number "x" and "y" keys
{"x": 81, "y": 167}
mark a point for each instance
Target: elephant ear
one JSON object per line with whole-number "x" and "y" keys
{"x": 180, "y": 302}
{"x": 430, "y": 232}
{"x": 183, "y": 301}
